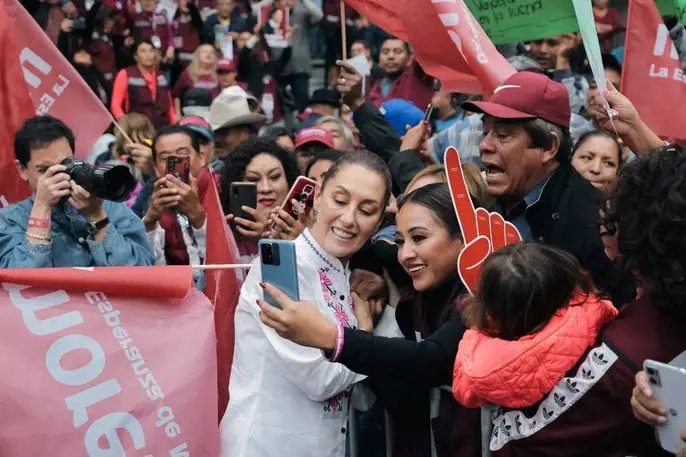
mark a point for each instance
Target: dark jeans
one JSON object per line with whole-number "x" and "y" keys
{"x": 300, "y": 85}
{"x": 371, "y": 435}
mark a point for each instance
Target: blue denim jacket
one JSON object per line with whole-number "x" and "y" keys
{"x": 125, "y": 242}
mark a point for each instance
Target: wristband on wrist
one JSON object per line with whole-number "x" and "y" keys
{"x": 35, "y": 222}
{"x": 339, "y": 343}
{"x": 38, "y": 237}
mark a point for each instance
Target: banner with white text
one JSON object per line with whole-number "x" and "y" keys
{"x": 96, "y": 374}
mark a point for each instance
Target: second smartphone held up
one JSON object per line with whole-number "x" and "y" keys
{"x": 242, "y": 194}
{"x": 300, "y": 198}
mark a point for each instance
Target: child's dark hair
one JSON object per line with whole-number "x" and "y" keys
{"x": 364, "y": 159}
{"x": 522, "y": 286}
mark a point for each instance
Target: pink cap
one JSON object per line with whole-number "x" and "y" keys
{"x": 314, "y": 135}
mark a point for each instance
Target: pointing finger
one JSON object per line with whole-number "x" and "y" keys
{"x": 461, "y": 198}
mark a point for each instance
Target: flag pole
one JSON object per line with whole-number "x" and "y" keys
{"x": 344, "y": 40}
{"x": 121, "y": 130}
{"x": 223, "y": 266}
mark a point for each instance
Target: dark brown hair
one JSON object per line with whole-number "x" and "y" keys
{"x": 521, "y": 288}
{"x": 364, "y": 159}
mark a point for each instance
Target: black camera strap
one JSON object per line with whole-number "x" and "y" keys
{"x": 185, "y": 224}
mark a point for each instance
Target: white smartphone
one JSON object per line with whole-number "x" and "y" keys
{"x": 669, "y": 387}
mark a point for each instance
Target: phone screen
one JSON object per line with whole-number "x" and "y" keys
{"x": 179, "y": 167}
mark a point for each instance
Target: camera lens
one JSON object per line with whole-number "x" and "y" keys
{"x": 650, "y": 371}
{"x": 267, "y": 256}
{"x": 111, "y": 182}
{"x": 652, "y": 380}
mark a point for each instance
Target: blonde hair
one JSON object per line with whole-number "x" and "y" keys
{"x": 138, "y": 127}
{"x": 194, "y": 67}
{"x": 472, "y": 176}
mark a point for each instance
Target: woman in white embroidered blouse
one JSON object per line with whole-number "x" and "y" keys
{"x": 286, "y": 399}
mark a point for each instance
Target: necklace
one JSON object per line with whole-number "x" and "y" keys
{"x": 319, "y": 254}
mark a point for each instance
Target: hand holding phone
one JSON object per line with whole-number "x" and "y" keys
{"x": 668, "y": 384}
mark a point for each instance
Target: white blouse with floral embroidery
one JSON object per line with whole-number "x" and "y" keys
{"x": 286, "y": 399}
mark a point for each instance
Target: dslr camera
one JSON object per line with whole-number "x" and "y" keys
{"x": 109, "y": 182}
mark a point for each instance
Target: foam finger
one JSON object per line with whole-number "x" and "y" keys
{"x": 462, "y": 201}
{"x": 497, "y": 231}
{"x": 483, "y": 222}
{"x": 512, "y": 235}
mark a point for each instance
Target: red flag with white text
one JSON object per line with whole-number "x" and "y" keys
{"x": 653, "y": 77}
{"x": 91, "y": 372}
{"x": 447, "y": 40}
{"x": 16, "y": 106}
{"x": 54, "y": 85}
{"x": 222, "y": 287}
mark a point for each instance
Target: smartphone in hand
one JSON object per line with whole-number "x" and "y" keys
{"x": 668, "y": 383}
{"x": 279, "y": 268}
{"x": 300, "y": 198}
{"x": 242, "y": 194}
{"x": 180, "y": 167}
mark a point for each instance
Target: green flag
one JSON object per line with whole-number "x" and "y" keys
{"x": 680, "y": 6}
{"x": 666, "y": 7}
{"x": 509, "y": 21}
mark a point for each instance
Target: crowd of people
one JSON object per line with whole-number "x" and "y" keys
{"x": 542, "y": 357}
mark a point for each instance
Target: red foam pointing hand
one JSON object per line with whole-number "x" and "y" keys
{"x": 482, "y": 232}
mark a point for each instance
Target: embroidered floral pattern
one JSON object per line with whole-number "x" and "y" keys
{"x": 334, "y": 404}
{"x": 330, "y": 298}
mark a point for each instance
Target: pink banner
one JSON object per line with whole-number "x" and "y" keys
{"x": 16, "y": 106}
{"x": 448, "y": 41}
{"x": 653, "y": 77}
{"x": 97, "y": 375}
{"x": 54, "y": 85}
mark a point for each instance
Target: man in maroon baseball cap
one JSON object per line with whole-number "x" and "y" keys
{"x": 308, "y": 142}
{"x": 526, "y": 153}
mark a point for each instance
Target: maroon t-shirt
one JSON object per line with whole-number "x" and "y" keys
{"x": 185, "y": 83}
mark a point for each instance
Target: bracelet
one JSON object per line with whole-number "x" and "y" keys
{"x": 38, "y": 237}
{"x": 35, "y": 222}
{"x": 339, "y": 343}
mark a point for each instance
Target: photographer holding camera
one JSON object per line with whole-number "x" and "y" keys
{"x": 62, "y": 224}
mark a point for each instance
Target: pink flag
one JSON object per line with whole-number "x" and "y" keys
{"x": 54, "y": 85}
{"x": 653, "y": 77}
{"x": 16, "y": 106}
{"x": 98, "y": 374}
{"x": 223, "y": 287}
{"x": 448, "y": 41}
